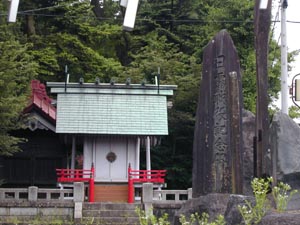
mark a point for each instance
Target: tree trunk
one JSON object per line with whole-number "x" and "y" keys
{"x": 30, "y": 29}
{"x": 97, "y": 8}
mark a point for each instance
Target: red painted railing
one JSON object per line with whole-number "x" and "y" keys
{"x": 143, "y": 176}
{"x": 77, "y": 175}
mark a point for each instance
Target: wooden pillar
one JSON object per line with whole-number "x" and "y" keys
{"x": 262, "y": 19}
{"x": 94, "y": 151}
{"x": 148, "y": 156}
{"x": 73, "y": 152}
{"x": 137, "y": 153}
{"x": 236, "y": 145}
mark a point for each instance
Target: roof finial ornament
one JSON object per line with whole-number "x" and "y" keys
{"x": 128, "y": 81}
{"x": 81, "y": 80}
{"x": 112, "y": 81}
{"x": 97, "y": 81}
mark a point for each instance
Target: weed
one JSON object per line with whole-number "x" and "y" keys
{"x": 195, "y": 218}
{"x": 282, "y": 195}
{"x": 253, "y": 213}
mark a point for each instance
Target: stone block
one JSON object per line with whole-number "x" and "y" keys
{"x": 78, "y": 210}
{"x": 147, "y": 193}
{"x": 23, "y": 211}
{"x": 54, "y": 211}
{"x": 190, "y": 193}
{"x": 4, "y": 211}
{"x": 147, "y": 198}
{"x": 148, "y": 207}
{"x": 32, "y": 193}
{"x": 78, "y": 192}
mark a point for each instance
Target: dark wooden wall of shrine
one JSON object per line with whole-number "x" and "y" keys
{"x": 36, "y": 163}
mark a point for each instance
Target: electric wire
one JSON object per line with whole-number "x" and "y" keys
{"x": 49, "y": 7}
{"x": 39, "y": 9}
{"x": 275, "y": 19}
{"x": 271, "y": 64}
{"x": 32, "y": 12}
{"x": 148, "y": 19}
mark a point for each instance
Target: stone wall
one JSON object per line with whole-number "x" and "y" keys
{"x": 25, "y": 210}
{"x": 23, "y": 204}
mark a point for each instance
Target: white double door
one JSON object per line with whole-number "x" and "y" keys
{"x": 111, "y": 157}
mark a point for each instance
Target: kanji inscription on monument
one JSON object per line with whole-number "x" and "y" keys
{"x": 217, "y": 151}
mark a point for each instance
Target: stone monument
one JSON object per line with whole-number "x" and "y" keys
{"x": 217, "y": 150}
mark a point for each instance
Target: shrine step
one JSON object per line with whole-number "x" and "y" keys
{"x": 110, "y": 213}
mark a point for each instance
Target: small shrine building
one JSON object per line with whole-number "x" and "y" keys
{"x": 109, "y": 123}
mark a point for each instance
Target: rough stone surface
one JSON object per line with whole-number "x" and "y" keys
{"x": 288, "y": 218}
{"x": 227, "y": 205}
{"x": 232, "y": 214}
{"x": 213, "y": 204}
{"x": 285, "y": 149}
{"x": 159, "y": 209}
{"x": 248, "y": 121}
{"x": 294, "y": 203}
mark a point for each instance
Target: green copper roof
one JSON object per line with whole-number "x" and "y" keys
{"x": 111, "y": 109}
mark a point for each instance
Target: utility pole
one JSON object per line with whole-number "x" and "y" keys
{"x": 284, "y": 64}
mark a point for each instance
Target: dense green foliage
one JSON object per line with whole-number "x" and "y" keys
{"x": 169, "y": 35}
{"x": 294, "y": 112}
{"x": 16, "y": 70}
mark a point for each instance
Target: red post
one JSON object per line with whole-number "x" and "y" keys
{"x": 130, "y": 187}
{"x": 92, "y": 185}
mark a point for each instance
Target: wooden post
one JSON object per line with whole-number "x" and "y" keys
{"x": 236, "y": 132}
{"x": 92, "y": 185}
{"x": 130, "y": 186}
{"x": 262, "y": 20}
{"x": 73, "y": 152}
{"x": 137, "y": 154}
{"x": 148, "y": 155}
